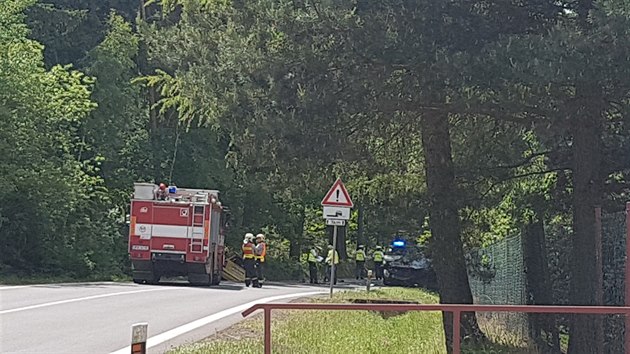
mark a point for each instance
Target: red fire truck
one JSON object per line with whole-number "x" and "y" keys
{"x": 176, "y": 232}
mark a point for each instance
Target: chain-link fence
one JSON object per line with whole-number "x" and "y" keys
{"x": 498, "y": 274}
{"x": 613, "y": 263}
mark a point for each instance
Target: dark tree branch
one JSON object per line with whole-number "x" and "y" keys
{"x": 538, "y": 173}
{"x": 523, "y": 162}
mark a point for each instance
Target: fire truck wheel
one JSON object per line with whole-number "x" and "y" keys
{"x": 216, "y": 279}
{"x": 199, "y": 279}
{"x": 155, "y": 280}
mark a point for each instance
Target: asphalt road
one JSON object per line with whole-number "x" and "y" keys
{"x": 97, "y": 317}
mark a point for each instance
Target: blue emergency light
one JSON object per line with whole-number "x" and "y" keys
{"x": 398, "y": 243}
{"x": 172, "y": 189}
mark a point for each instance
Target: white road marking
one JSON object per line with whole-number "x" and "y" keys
{"x": 178, "y": 331}
{"x": 10, "y": 287}
{"x": 3, "y": 312}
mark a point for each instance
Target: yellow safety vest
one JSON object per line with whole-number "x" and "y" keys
{"x": 378, "y": 256}
{"x": 360, "y": 256}
{"x": 330, "y": 257}
{"x": 311, "y": 257}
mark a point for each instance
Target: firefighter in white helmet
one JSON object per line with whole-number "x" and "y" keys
{"x": 249, "y": 261}
{"x": 261, "y": 256}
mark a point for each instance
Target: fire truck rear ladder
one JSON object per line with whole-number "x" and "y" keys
{"x": 196, "y": 239}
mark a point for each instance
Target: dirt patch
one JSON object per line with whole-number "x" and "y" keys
{"x": 248, "y": 328}
{"x": 385, "y": 314}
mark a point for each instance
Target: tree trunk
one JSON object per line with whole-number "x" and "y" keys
{"x": 538, "y": 285}
{"x": 446, "y": 243}
{"x": 587, "y": 183}
{"x": 295, "y": 245}
{"x": 341, "y": 240}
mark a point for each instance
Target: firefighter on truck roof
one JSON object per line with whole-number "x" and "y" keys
{"x": 260, "y": 254}
{"x": 249, "y": 261}
{"x": 161, "y": 192}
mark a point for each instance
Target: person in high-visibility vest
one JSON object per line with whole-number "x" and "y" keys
{"x": 260, "y": 254}
{"x": 329, "y": 262}
{"x": 378, "y": 262}
{"x": 249, "y": 261}
{"x": 312, "y": 265}
{"x": 359, "y": 259}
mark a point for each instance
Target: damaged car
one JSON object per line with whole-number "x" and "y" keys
{"x": 408, "y": 265}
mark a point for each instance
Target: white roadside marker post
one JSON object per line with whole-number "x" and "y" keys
{"x": 139, "y": 338}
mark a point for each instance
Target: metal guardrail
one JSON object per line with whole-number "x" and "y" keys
{"x": 455, "y": 309}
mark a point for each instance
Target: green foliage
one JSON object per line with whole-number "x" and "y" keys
{"x": 54, "y": 207}
{"x": 116, "y": 133}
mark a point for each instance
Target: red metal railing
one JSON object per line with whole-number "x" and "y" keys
{"x": 455, "y": 309}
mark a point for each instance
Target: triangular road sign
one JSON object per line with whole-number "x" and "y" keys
{"x": 338, "y": 196}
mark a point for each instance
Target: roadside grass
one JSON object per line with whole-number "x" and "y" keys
{"x": 346, "y": 331}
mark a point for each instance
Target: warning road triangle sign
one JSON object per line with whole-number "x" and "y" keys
{"x": 338, "y": 196}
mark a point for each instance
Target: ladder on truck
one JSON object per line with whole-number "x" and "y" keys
{"x": 197, "y": 232}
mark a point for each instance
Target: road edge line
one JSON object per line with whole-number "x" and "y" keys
{"x": 191, "y": 326}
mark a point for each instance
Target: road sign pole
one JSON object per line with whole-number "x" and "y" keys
{"x": 332, "y": 261}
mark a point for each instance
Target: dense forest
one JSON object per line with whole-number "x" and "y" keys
{"x": 456, "y": 122}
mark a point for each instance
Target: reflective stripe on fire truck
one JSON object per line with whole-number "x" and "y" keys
{"x": 206, "y": 229}
{"x": 173, "y": 231}
{"x": 132, "y": 225}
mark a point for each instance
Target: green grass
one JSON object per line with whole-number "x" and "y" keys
{"x": 344, "y": 331}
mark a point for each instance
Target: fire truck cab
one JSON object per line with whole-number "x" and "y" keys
{"x": 176, "y": 232}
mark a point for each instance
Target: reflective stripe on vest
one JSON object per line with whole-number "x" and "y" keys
{"x": 248, "y": 250}
{"x": 263, "y": 253}
{"x": 311, "y": 257}
{"x": 360, "y": 256}
{"x": 378, "y": 256}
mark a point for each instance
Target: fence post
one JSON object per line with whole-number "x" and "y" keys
{"x": 139, "y": 338}
{"x": 267, "y": 330}
{"x": 456, "y": 332}
{"x": 627, "y": 280}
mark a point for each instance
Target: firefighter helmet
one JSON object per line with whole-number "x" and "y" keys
{"x": 249, "y": 236}
{"x": 260, "y": 237}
